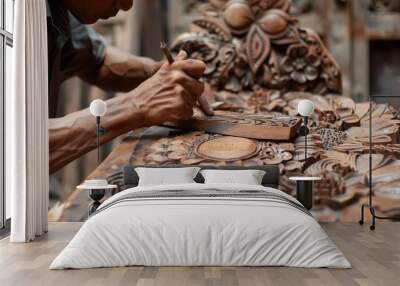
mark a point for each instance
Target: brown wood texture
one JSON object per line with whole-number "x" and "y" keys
{"x": 338, "y": 141}
{"x": 375, "y": 258}
{"x": 257, "y": 126}
{"x": 336, "y": 155}
{"x": 347, "y": 28}
{"x": 227, "y": 149}
{"x": 253, "y": 45}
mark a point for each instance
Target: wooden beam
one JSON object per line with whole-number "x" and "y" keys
{"x": 359, "y": 50}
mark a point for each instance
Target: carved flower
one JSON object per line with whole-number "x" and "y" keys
{"x": 300, "y": 64}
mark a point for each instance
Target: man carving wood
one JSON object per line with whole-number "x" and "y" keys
{"x": 156, "y": 91}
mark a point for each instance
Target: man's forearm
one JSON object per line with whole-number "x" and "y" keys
{"x": 122, "y": 71}
{"x": 168, "y": 96}
{"x": 75, "y": 134}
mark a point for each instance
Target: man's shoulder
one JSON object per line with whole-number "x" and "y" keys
{"x": 81, "y": 48}
{"x": 58, "y": 16}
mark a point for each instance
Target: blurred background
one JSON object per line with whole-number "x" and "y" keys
{"x": 362, "y": 35}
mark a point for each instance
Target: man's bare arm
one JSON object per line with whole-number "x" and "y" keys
{"x": 169, "y": 95}
{"x": 122, "y": 71}
{"x": 73, "y": 135}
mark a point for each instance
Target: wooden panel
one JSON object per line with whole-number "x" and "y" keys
{"x": 346, "y": 27}
{"x": 256, "y": 126}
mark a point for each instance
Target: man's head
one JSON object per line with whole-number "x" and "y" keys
{"x": 89, "y": 11}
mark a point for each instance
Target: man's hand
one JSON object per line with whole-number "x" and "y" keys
{"x": 169, "y": 95}
{"x": 172, "y": 92}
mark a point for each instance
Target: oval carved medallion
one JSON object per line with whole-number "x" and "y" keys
{"x": 227, "y": 148}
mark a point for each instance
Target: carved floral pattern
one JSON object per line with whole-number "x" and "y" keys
{"x": 300, "y": 64}
{"x": 261, "y": 62}
{"x": 256, "y": 44}
{"x": 336, "y": 151}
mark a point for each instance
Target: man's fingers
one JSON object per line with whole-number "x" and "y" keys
{"x": 192, "y": 99}
{"x": 193, "y": 68}
{"x": 193, "y": 86}
{"x": 182, "y": 55}
{"x": 205, "y": 106}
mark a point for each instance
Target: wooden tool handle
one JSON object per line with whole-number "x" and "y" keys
{"x": 166, "y": 52}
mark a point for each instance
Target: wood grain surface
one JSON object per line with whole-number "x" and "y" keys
{"x": 260, "y": 62}
{"x": 375, "y": 257}
{"x": 255, "y": 126}
{"x": 227, "y": 148}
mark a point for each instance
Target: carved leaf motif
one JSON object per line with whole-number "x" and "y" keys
{"x": 290, "y": 36}
{"x": 214, "y": 26}
{"x": 258, "y": 47}
{"x": 363, "y": 162}
{"x": 361, "y": 109}
{"x": 349, "y": 147}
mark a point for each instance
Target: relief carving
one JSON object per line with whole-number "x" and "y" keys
{"x": 255, "y": 44}
{"x": 260, "y": 63}
{"x": 337, "y": 152}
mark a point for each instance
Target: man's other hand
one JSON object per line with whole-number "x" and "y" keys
{"x": 172, "y": 92}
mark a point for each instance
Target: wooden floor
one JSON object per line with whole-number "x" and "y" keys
{"x": 375, "y": 257}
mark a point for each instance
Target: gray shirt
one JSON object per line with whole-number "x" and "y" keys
{"x": 74, "y": 49}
